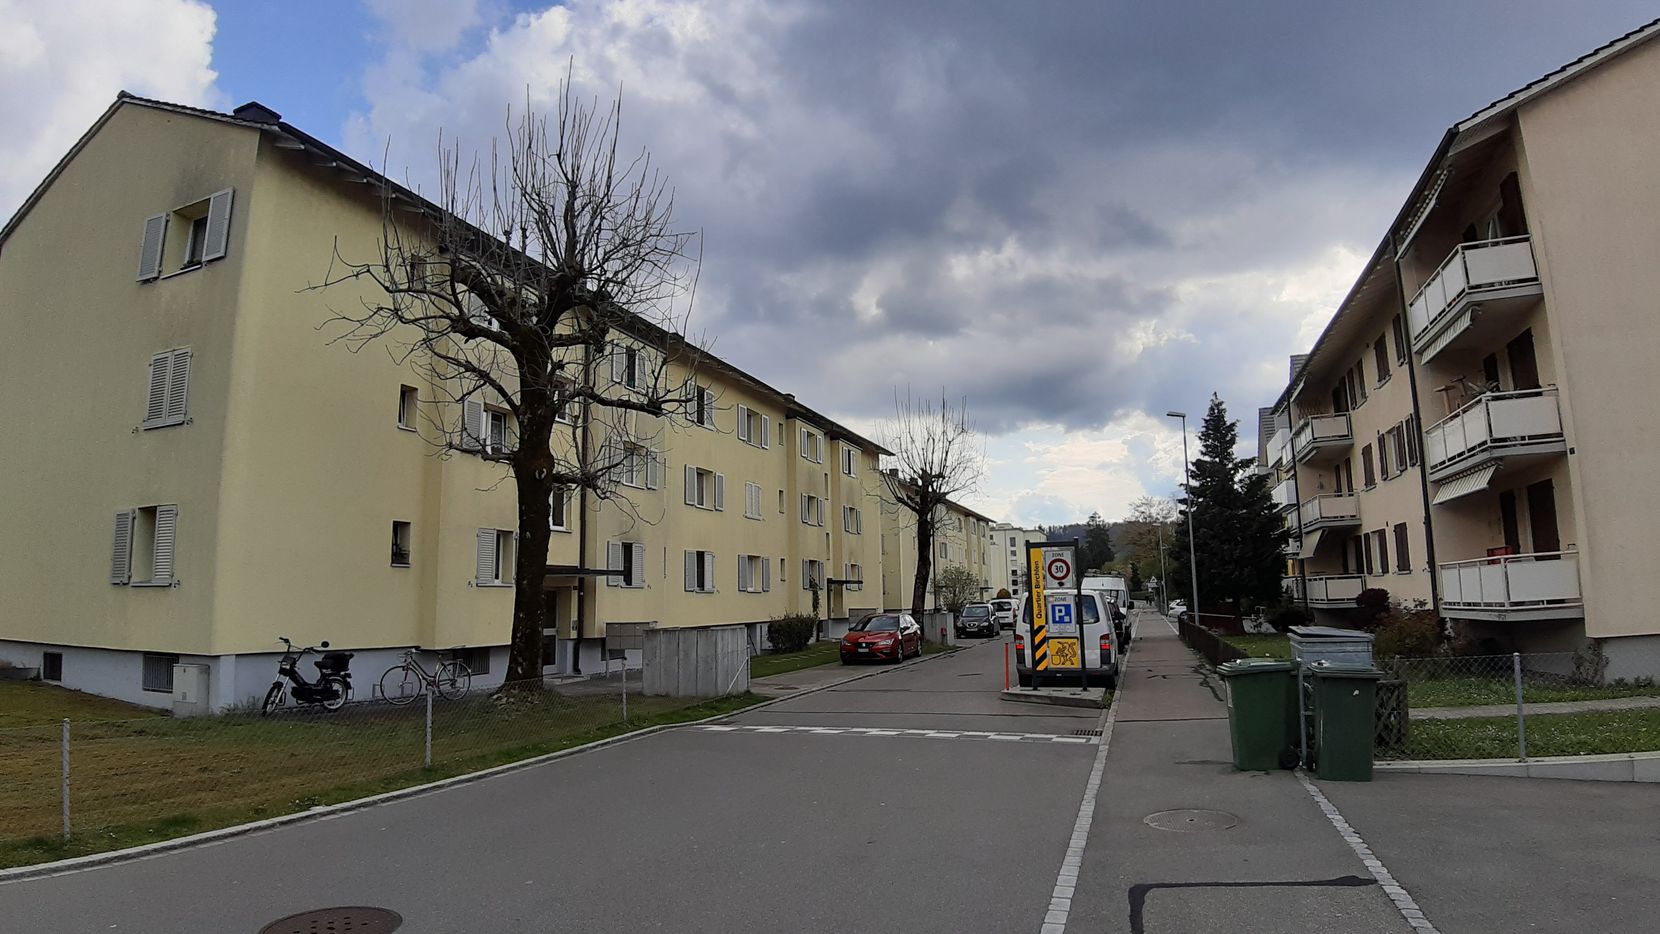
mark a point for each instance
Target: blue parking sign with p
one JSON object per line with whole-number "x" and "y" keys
{"x": 1060, "y": 614}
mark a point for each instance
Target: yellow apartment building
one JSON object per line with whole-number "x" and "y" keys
{"x": 961, "y": 538}
{"x": 215, "y": 474}
{"x": 1501, "y": 327}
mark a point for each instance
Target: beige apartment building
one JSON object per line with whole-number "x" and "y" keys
{"x": 960, "y": 539}
{"x": 211, "y": 474}
{"x": 1479, "y": 383}
{"x": 1006, "y": 555}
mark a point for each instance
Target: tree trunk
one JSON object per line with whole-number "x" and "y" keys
{"x": 530, "y": 567}
{"x": 924, "y": 564}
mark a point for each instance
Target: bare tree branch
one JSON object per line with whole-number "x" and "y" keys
{"x": 936, "y": 457}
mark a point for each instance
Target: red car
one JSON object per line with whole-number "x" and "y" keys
{"x": 888, "y": 636}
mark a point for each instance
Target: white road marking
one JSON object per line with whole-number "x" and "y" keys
{"x": 1403, "y": 902}
{"x": 924, "y": 734}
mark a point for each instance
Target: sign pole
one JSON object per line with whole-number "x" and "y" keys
{"x": 1078, "y": 604}
{"x": 1040, "y": 608}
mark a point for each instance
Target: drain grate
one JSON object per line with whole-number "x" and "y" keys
{"x": 355, "y": 920}
{"x": 1086, "y": 732}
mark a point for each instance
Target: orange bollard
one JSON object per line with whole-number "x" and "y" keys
{"x": 1005, "y": 666}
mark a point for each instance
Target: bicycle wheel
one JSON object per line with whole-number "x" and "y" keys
{"x": 273, "y": 700}
{"x": 400, "y": 685}
{"x": 453, "y": 680}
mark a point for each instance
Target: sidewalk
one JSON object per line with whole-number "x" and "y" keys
{"x": 1256, "y": 853}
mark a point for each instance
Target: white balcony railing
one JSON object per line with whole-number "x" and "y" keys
{"x": 1471, "y": 269}
{"x": 1330, "y": 509}
{"x": 1279, "y": 447}
{"x": 1321, "y": 431}
{"x": 1334, "y": 590}
{"x": 1492, "y": 424}
{"x": 1285, "y": 495}
{"x": 1546, "y": 581}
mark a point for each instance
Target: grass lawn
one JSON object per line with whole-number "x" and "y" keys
{"x": 1260, "y": 646}
{"x": 140, "y": 781}
{"x": 32, "y": 703}
{"x": 819, "y": 653}
{"x": 1473, "y": 690}
{"x": 1567, "y": 734}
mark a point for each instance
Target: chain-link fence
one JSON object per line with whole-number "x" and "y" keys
{"x": 1516, "y": 706}
{"x": 130, "y": 781}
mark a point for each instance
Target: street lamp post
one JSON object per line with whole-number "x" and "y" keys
{"x": 1187, "y": 483}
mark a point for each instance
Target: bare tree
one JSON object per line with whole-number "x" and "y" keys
{"x": 542, "y": 298}
{"x": 936, "y": 456}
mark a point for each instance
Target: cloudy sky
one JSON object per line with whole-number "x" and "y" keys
{"x": 1076, "y": 214}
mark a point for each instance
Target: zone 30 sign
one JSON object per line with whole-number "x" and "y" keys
{"x": 1055, "y": 629}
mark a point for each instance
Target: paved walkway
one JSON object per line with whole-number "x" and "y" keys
{"x": 1509, "y": 710}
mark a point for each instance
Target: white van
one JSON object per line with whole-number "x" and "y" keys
{"x": 1003, "y": 610}
{"x": 1099, "y": 648}
{"x": 1118, "y": 591}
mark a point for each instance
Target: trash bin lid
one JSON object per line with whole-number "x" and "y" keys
{"x": 1329, "y": 632}
{"x": 1254, "y": 666}
{"x": 1330, "y": 669}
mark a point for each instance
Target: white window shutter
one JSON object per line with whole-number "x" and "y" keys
{"x": 708, "y": 408}
{"x": 178, "y": 386}
{"x": 766, "y": 431}
{"x": 121, "y": 554}
{"x": 486, "y": 556}
{"x": 720, "y": 492}
{"x": 638, "y": 578}
{"x": 218, "y": 224}
{"x": 743, "y": 423}
{"x": 149, "y": 251}
{"x": 654, "y": 470}
{"x": 155, "y": 404}
{"x": 614, "y": 563}
{"x": 691, "y": 485}
{"x": 708, "y": 558}
{"x": 691, "y": 570}
{"x": 167, "y": 529}
{"x": 619, "y": 363}
{"x": 847, "y": 519}
{"x": 806, "y": 572}
{"x": 806, "y": 516}
{"x": 766, "y": 575}
{"x": 472, "y": 425}
{"x": 743, "y": 573}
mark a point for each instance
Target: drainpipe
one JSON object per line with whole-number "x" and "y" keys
{"x": 1418, "y": 431}
{"x": 1297, "y": 494}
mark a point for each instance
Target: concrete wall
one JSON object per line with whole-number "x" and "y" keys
{"x": 708, "y": 662}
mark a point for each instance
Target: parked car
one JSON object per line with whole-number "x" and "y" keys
{"x": 1003, "y": 610}
{"x": 977, "y": 618}
{"x": 882, "y": 636}
{"x": 1176, "y": 609}
{"x": 1099, "y": 645}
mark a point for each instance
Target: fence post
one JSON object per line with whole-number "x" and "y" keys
{"x": 65, "y": 787}
{"x": 625, "y": 688}
{"x": 1521, "y": 713}
{"x": 429, "y": 726}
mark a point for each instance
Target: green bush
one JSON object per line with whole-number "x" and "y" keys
{"x": 1408, "y": 635}
{"x": 1284, "y": 617}
{"x": 793, "y": 632}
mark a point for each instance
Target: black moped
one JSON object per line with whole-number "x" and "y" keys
{"x": 331, "y": 689}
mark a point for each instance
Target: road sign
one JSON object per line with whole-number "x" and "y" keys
{"x": 1062, "y": 616}
{"x": 1059, "y": 568}
{"x": 1065, "y": 653}
{"x": 1054, "y": 620}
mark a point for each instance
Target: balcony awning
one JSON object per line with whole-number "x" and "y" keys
{"x": 1464, "y": 484}
{"x": 1311, "y": 541}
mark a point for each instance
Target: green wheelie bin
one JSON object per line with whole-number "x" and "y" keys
{"x": 1262, "y": 712}
{"x": 1345, "y": 720}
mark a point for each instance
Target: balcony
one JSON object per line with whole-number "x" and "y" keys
{"x": 1516, "y": 427}
{"x": 1285, "y": 495}
{"x": 1330, "y": 591}
{"x": 1330, "y": 511}
{"x": 1321, "y": 437}
{"x": 1476, "y": 279}
{"x": 1279, "y": 448}
{"x": 1513, "y": 587}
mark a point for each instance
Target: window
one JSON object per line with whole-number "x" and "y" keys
{"x": 812, "y": 510}
{"x": 51, "y": 666}
{"x": 158, "y": 672}
{"x": 407, "y": 397}
{"x": 639, "y": 467}
{"x": 476, "y": 660}
{"x": 628, "y": 366}
{"x": 1398, "y": 327}
{"x": 754, "y": 574}
{"x": 812, "y": 446}
{"x": 1402, "y": 455}
{"x": 166, "y": 402}
{"x": 1357, "y": 380}
{"x": 400, "y": 544}
{"x": 559, "y": 508}
{"x": 705, "y": 489}
{"x": 1366, "y": 467}
{"x": 850, "y": 461}
{"x": 752, "y": 500}
{"x": 754, "y": 428}
{"x": 203, "y": 232}
{"x": 1383, "y": 455}
{"x": 855, "y": 577}
{"x": 495, "y": 558}
{"x": 812, "y": 572}
{"x": 700, "y": 405}
{"x": 1411, "y": 433}
{"x": 485, "y": 430}
{"x": 853, "y": 520}
{"x": 628, "y": 561}
{"x": 783, "y": 569}
{"x": 1403, "y": 563}
{"x": 1380, "y": 358}
{"x": 496, "y": 434}
{"x": 143, "y": 549}
{"x": 700, "y": 572}
{"x": 1379, "y": 541}
{"x": 1366, "y": 547}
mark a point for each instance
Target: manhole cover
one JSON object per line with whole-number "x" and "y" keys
{"x": 358, "y": 920}
{"x": 1191, "y": 820}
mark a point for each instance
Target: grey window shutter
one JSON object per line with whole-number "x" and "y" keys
{"x": 178, "y": 387}
{"x": 743, "y": 423}
{"x": 766, "y": 431}
{"x": 613, "y": 563}
{"x": 806, "y": 517}
{"x": 149, "y": 251}
{"x": 472, "y": 425}
{"x": 720, "y": 492}
{"x": 121, "y": 555}
{"x": 155, "y": 404}
{"x": 218, "y": 224}
{"x": 690, "y": 567}
{"x": 806, "y": 573}
{"x": 637, "y": 577}
{"x": 708, "y": 408}
{"x": 708, "y": 559}
{"x": 691, "y": 485}
{"x": 486, "y": 556}
{"x": 167, "y": 528}
{"x": 766, "y": 575}
{"x": 743, "y": 573}
{"x": 619, "y": 363}
{"x": 654, "y": 470}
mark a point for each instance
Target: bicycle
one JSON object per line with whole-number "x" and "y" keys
{"x": 403, "y": 683}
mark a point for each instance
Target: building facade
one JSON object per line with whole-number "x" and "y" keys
{"x": 220, "y": 475}
{"x": 960, "y": 539}
{"x": 1006, "y": 556}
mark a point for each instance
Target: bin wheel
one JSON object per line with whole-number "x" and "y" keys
{"x": 1288, "y": 758}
